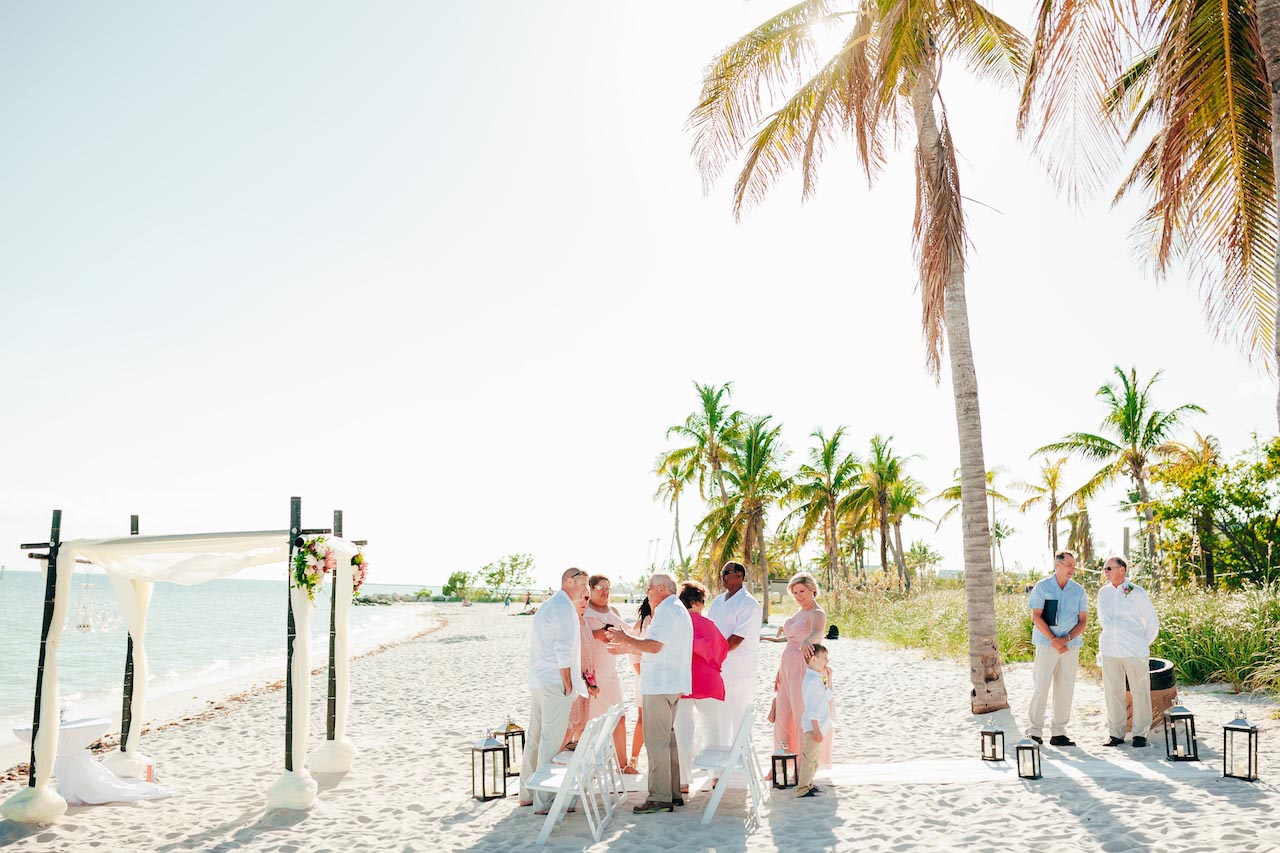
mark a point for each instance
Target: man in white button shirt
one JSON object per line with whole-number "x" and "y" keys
{"x": 738, "y": 616}
{"x": 555, "y": 678}
{"x": 1129, "y": 624}
{"x": 666, "y": 673}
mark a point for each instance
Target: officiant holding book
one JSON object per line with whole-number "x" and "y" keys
{"x": 1059, "y": 613}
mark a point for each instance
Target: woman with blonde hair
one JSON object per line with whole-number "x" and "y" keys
{"x": 801, "y": 631}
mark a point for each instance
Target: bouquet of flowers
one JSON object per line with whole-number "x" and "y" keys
{"x": 311, "y": 563}
{"x": 359, "y": 569}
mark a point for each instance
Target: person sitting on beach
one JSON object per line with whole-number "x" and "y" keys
{"x": 707, "y": 695}
{"x": 817, "y": 717}
{"x": 666, "y": 673}
{"x": 641, "y": 629}
{"x": 555, "y": 679}
{"x": 581, "y": 711}
{"x": 805, "y": 628}
{"x": 600, "y": 614}
{"x": 1129, "y": 624}
{"x": 1059, "y": 613}
{"x": 737, "y": 614}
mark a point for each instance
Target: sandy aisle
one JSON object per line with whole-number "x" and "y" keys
{"x": 418, "y": 706}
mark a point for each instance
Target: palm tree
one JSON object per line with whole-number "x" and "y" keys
{"x": 1205, "y": 453}
{"x": 817, "y": 490}
{"x": 675, "y": 474}
{"x": 885, "y": 73}
{"x": 736, "y": 525}
{"x": 1001, "y": 531}
{"x": 1139, "y": 429}
{"x": 710, "y": 429}
{"x": 1046, "y": 492}
{"x": 1080, "y": 534}
{"x": 1203, "y": 92}
{"x": 881, "y": 473}
{"x": 955, "y": 494}
{"x": 906, "y": 496}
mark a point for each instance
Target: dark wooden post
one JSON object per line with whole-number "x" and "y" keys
{"x": 126, "y": 709}
{"x": 50, "y": 598}
{"x": 295, "y": 541}
{"x": 331, "y": 719}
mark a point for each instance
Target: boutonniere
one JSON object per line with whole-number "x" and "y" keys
{"x": 1126, "y": 589}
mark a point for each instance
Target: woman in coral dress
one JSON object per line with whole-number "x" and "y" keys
{"x": 802, "y": 630}
{"x": 600, "y": 614}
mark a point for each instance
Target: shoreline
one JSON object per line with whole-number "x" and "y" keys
{"x": 176, "y": 704}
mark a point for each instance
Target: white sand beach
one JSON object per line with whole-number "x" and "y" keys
{"x": 418, "y": 705}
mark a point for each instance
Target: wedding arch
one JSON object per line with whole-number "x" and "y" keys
{"x": 133, "y": 564}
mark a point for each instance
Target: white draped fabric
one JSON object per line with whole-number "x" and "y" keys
{"x": 133, "y": 564}
{"x": 337, "y": 755}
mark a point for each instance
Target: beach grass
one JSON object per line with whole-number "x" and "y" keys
{"x": 1228, "y": 637}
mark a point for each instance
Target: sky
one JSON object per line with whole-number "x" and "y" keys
{"x": 451, "y": 269}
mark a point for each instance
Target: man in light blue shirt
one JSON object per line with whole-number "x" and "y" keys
{"x": 1059, "y": 614}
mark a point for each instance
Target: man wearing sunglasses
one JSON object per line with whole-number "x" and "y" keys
{"x": 1129, "y": 624}
{"x": 738, "y": 616}
{"x": 555, "y": 678}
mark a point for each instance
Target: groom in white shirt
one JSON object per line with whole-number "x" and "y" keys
{"x": 738, "y": 616}
{"x": 555, "y": 678}
{"x": 1129, "y": 624}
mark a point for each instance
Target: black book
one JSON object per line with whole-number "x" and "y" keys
{"x": 1050, "y": 612}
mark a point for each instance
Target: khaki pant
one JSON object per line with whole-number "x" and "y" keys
{"x": 809, "y": 761}
{"x": 548, "y": 720}
{"x": 660, "y": 745}
{"x": 1058, "y": 670}
{"x": 1114, "y": 672}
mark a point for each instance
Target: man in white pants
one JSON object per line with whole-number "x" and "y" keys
{"x": 738, "y": 616}
{"x": 1059, "y": 614}
{"x": 1129, "y": 624}
{"x": 555, "y": 679}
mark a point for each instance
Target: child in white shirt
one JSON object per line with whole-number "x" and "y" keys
{"x": 816, "y": 719}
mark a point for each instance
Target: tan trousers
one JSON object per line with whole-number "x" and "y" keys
{"x": 1058, "y": 670}
{"x": 548, "y": 720}
{"x": 660, "y": 745}
{"x": 809, "y": 761}
{"x": 1114, "y": 672}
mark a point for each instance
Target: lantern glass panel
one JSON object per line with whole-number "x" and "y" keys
{"x": 1028, "y": 760}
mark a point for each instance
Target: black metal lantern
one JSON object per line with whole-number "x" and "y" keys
{"x": 786, "y": 768}
{"x": 1180, "y": 735}
{"x": 1028, "y": 754}
{"x": 512, "y": 737}
{"x": 1240, "y": 749}
{"x": 992, "y": 738}
{"x": 488, "y": 770}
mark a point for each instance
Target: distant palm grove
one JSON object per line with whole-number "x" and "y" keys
{"x": 1203, "y": 520}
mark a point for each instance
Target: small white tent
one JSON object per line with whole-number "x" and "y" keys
{"x": 134, "y": 564}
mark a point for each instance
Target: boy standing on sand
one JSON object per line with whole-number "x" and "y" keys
{"x": 816, "y": 718}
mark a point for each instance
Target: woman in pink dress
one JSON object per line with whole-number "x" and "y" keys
{"x": 580, "y": 711}
{"x": 707, "y": 699}
{"x": 600, "y": 614}
{"x": 802, "y": 630}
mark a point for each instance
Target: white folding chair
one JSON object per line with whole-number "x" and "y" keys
{"x": 722, "y": 761}
{"x": 608, "y": 772}
{"x": 568, "y": 782}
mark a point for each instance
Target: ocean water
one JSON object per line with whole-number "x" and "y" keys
{"x": 195, "y": 634}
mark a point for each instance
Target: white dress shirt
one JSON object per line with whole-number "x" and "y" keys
{"x": 669, "y": 670}
{"x": 557, "y": 643}
{"x": 817, "y": 702}
{"x": 1129, "y": 622}
{"x": 739, "y": 615}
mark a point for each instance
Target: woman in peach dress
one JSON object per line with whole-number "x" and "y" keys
{"x": 801, "y": 631}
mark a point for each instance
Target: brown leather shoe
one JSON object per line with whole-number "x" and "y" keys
{"x": 650, "y": 807}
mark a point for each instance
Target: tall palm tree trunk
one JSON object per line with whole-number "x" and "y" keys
{"x": 1053, "y": 523}
{"x": 832, "y": 547}
{"x": 900, "y": 556}
{"x": 1268, "y": 12}
{"x": 684, "y": 568}
{"x": 764, "y": 569}
{"x": 985, "y": 671}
